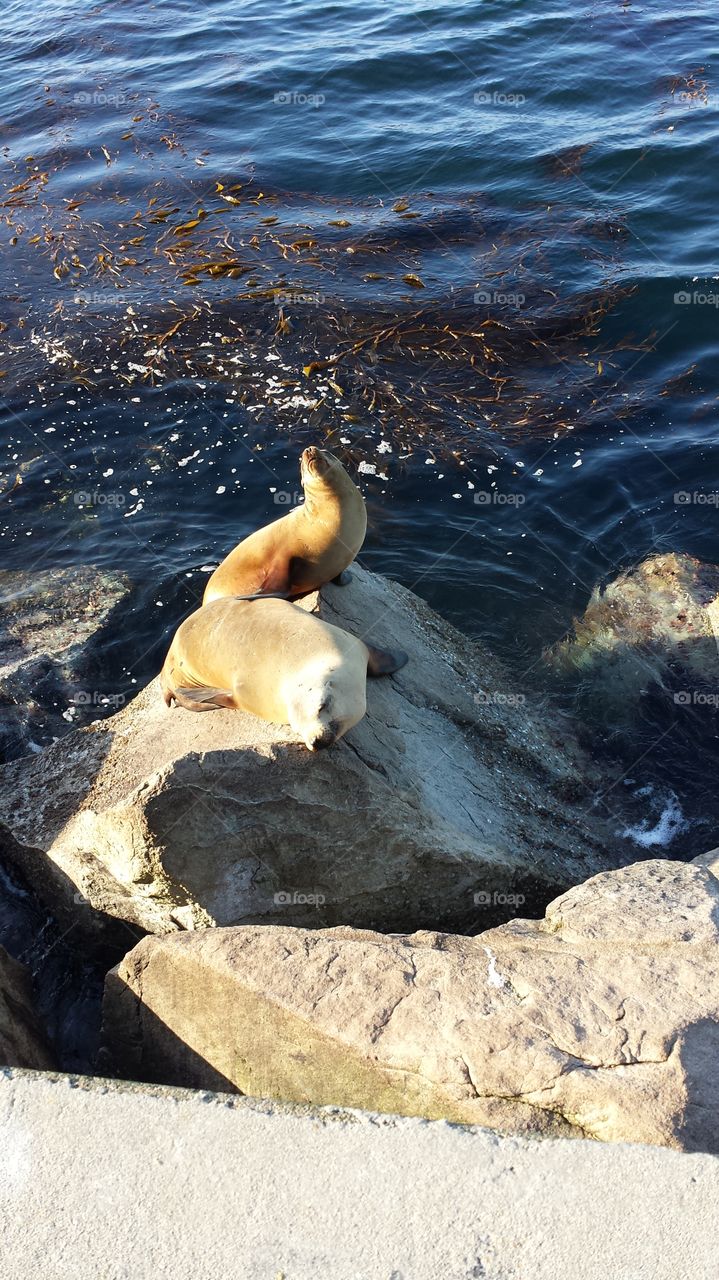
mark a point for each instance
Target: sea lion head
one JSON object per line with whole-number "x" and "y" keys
{"x": 325, "y": 479}
{"x": 326, "y": 701}
{"x": 320, "y": 469}
{"x": 315, "y": 719}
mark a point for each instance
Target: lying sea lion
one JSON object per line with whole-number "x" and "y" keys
{"x": 313, "y": 544}
{"x": 271, "y": 657}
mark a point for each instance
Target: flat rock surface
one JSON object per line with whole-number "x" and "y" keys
{"x": 601, "y": 1020}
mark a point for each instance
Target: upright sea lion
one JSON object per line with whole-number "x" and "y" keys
{"x": 272, "y": 658}
{"x": 313, "y": 544}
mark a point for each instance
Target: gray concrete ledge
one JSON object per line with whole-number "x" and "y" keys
{"x": 107, "y": 1181}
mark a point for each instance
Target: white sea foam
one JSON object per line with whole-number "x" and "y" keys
{"x": 667, "y": 825}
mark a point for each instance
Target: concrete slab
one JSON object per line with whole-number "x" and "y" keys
{"x": 108, "y": 1181}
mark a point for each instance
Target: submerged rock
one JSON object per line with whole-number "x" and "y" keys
{"x": 22, "y": 1042}
{"x": 642, "y": 673}
{"x": 652, "y": 622}
{"x": 49, "y": 624}
{"x": 451, "y": 803}
{"x": 600, "y": 1020}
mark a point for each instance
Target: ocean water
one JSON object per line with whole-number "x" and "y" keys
{"x": 557, "y": 152}
{"x": 469, "y": 246}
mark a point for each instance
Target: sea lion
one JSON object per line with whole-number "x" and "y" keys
{"x": 311, "y": 545}
{"x": 273, "y": 658}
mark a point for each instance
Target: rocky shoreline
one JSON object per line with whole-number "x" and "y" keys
{"x": 435, "y": 918}
{"x": 451, "y": 789}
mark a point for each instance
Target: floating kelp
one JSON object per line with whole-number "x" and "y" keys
{"x": 441, "y": 319}
{"x": 691, "y": 88}
{"x": 567, "y": 163}
{"x": 478, "y": 358}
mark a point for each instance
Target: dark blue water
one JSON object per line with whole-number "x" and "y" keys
{"x": 551, "y": 118}
{"x": 502, "y": 218}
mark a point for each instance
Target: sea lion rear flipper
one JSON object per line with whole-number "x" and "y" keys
{"x": 383, "y": 662}
{"x": 202, "y": 698}
{"x": 343, "y": 579}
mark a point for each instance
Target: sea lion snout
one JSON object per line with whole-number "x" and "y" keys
{"x": 322, "y": 738}
{"x": 315, "y": 461}
{"x": 312, "y": 711}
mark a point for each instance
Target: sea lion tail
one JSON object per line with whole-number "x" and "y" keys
{"x": 203, "y": 698}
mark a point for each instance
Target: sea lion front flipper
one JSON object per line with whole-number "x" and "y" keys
{"x": 383, "y": 662}
{"x": 343, "y": 579}
{"x": 299, "y": 572}
{"x": 202, "y": 698}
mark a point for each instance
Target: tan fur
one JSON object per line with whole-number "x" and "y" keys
{"x": 304, "y": 549}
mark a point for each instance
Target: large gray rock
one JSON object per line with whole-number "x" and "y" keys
{"x": 122, "y": 1182}
{"x": 601, "y": 1020}
{"x": 50, "y": 622}
{"x": 22, "y": 1042}
{"x": 652, "y": 622}
{"x": 452, "y": 786}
